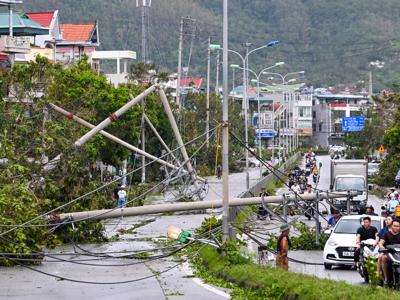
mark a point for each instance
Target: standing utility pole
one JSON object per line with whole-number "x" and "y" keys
{"x": 208, "y": 94}
{"x": 217, "y": 76}
{"x": 225, "y": 128}
{"x": 145, "y": 5}
{"x": 178, "y": 82}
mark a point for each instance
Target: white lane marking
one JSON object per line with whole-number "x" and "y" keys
{"x": 186, "y": 268}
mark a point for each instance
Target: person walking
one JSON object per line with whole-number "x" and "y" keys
{"x": 219, "y": 171}
{"x": 283, "y": 246}
{"x": 121, "y": 197}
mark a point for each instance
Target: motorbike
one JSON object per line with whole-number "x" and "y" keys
{"x": 367, "y": 249}
{"x": 315, "y": 178}
{"x": 393, "y": 252}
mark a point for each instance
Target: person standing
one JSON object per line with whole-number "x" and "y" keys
{"x": 283, "y": 246}
{"x": 121, "y": 197}
{"x": 115, "y": 194}
{"x": 219, "y": 171}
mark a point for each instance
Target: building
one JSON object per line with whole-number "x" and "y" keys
{"x": 124, "y": 57}
{"x": 328, "y": 111}
{"x": 77, "y": 40}
{"x": 15, "y": 36}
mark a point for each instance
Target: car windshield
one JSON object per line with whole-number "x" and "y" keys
{"x": 350, "y": 184}
{"x": 351, "y": 226}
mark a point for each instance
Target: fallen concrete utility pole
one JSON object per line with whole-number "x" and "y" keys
{"x": 160, "y": 138}
{"x": 186, "y": 206}
{"x": 110, "y": 136}
{"x": 113, "y": 117}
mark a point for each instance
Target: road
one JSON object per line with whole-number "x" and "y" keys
{"x": 20, "y": 283}
{"x": 316, "y": 256}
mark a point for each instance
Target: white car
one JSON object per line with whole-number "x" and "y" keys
{"x": 337, "y": 149}
{"x": 253, "y": 162}
{"x": 339, "y": 248}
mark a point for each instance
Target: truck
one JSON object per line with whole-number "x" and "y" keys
{"x": 350, "y": 175}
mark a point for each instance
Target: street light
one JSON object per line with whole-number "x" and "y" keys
{"x": 281, "y": 63}
{"x": 245, "y": 104}
{"x": 284, "y": 83}
{"x": 211, "y": 47}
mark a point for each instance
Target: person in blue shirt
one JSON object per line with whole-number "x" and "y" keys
{"x": 388, "y": 222}
{"x": 370, "y": 211}
{"x": 333, "y": 220}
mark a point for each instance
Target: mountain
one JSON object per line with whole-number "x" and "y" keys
{"x": 333, "y": 41}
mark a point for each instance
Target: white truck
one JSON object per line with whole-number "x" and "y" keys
{"x": 350, "y": 175}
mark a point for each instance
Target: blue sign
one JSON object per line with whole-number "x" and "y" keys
{"x": 265, "y": 133}
{"x": 350, "y": 124}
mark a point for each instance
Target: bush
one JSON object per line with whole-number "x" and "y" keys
{"x": 271, "y": 283}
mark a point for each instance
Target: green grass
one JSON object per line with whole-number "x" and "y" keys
{"x": 256, "y": 282}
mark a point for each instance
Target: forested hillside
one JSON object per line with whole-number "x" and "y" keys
{"x": 333, "y": 41}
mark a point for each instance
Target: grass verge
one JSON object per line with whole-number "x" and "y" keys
{"x": 256, "y": 282}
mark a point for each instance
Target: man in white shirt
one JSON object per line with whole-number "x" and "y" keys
{"x": 121, "y": 197}
{"x": 296, "y": 187}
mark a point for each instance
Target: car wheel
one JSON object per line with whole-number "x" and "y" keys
{"x": 327, "y": 266}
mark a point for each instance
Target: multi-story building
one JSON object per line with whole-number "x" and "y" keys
{"x": 328, "y": 111}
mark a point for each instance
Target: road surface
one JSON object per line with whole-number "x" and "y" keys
{"x": 316, "y": 256}
{"x": 20, "y": 283}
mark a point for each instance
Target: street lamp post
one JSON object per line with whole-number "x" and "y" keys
{"x": 245, "y": 100}
{"x": 284, "y": 82}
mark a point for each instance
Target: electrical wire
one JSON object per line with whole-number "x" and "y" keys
{"x": 103, "y": 283}
{"x": 15, "y": 227}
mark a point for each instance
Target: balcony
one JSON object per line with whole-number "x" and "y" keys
{"x": 14, "y": 44}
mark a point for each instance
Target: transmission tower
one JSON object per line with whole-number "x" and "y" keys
{"x": 145, "y": 5}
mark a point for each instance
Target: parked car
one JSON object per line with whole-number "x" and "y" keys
{"x": 339, "y": 248}
{"x": 373, "y": 168}
{"x": 337, "y": 149}
{"x": 253, "y": 162}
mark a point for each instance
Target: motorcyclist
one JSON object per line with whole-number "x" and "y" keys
{"x": 393, "y": 202}
{"x": 365, "y": 232}
{"x": 333, "y": 220}
{"x": 389, "y": 238}
{"x": 310, "y": 211}
{"x": 388, "y": 223}
{"x": 370, "y": 211}
{"x": 315, "y": 172}
{"x": 296, "y": 187}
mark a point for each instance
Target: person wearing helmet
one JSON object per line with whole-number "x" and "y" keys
{"x": 393, "y": 202}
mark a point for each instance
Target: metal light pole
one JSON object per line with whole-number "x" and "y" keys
{"x": 225, "y": 128}
{"x": 208, "y": 94}
{"x": 284, "y": 82}
{"x": 258, "y": 101}
{"x": 209, "y": 49}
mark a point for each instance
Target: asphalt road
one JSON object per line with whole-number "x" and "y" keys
{"x": 177, "y": 283}
{"x": 337, "y": 273}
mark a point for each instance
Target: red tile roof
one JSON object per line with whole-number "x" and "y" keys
{"x": 77, "y": 32}
{"x": 195, "y": 81}
{"x": 43, "y": 18}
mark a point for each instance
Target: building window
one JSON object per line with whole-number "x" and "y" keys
{"x": 314, "y": 114}
{"x": 314, "y": 127}
{"x": 320, "y": 126}
{"x": 305, "y": 112}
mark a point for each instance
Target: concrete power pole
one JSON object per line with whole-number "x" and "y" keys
{"x": 217, "y": 75}
{"x": 208, "y": 93}
{"x": 225, "y": 128}
{"x": 178, "y": 81}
